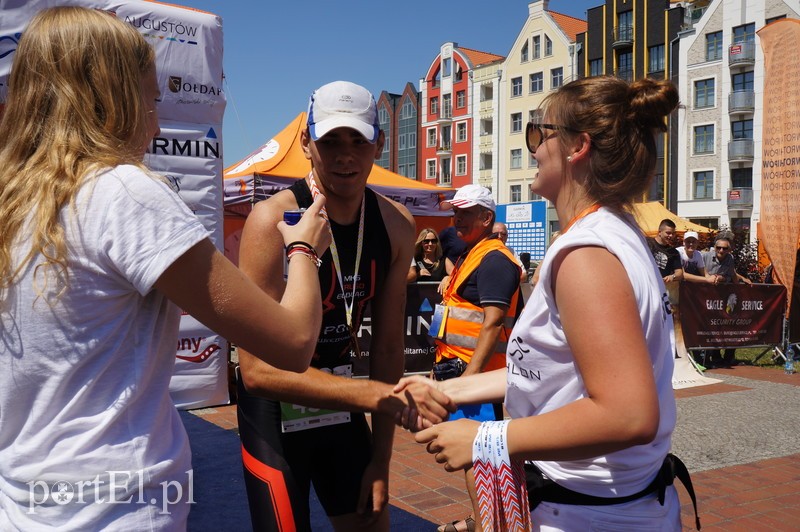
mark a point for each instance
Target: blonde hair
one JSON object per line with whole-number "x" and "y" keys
{"x": 419, "y": 253}
{"x": 74, "y": 107}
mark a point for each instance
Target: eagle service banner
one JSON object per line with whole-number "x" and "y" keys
{"x": 780, "y": 172}
{"x": 731, "y": 315}
{"x": 188, "y": 151}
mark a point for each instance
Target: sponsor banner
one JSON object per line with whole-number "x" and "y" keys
{"x": 794, "y": 314}
{"x": 200, "y": 377}
{"x": 188, "y": 152}
{"x": 527, "y": 227}
{"x": 419, "y": 347}
{"x": 780, "y": 173}
{"x": 731, "y": 315}
{"x": 190, "y": 157}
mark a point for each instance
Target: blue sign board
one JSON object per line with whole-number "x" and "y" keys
{"x": 527, "y": 227}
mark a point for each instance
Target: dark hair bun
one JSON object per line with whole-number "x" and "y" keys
{"x": 651, "y": 100}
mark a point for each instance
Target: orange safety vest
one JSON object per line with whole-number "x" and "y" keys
{"x": 463, "y": 323}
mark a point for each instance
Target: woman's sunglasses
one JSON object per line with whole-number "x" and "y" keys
{"x": 429, "y": 241}
{"x": 534, "y": 134}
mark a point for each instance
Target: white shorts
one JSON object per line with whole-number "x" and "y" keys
{"x": 644, "y": 514}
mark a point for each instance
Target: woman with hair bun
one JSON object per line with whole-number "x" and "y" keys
{"x": 588, "y": 382}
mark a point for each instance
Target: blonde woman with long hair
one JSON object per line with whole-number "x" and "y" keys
{"x": 95, "y": 254}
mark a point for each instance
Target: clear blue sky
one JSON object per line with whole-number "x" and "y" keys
{"x": 277, "y": 52}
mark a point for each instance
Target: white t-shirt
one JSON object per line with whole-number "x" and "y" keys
{"x": 542, "y": 375}
{"x": 84, "y": 386}
{"x": 692, "y": 265}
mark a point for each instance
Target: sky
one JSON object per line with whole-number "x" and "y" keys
{"x": 277, "y": 52}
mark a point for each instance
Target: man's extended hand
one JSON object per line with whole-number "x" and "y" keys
{"x": 426, "y": 404}
{"x": 374, "y": 494}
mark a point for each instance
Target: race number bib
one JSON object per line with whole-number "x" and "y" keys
{"x": 298, "y": 417}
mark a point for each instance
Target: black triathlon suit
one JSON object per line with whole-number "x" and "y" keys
{"x": 279, "y": 466}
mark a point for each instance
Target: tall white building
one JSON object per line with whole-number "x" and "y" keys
{"x": 721, "y": 85}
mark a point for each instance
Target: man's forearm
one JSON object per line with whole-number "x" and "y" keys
{"x": 485, "y": 347}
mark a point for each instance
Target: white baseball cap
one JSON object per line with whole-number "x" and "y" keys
{"x": 469, "y": 196}
{"x": 343, "y": 104}
{"x": 690, "y": 234}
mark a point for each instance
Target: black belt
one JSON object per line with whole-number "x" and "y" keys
{"x": 543, "y": 489}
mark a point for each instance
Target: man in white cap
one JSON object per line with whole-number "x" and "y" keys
{"x": 479, "y": 306}
{"x": 694, "y": 267}
{"x": 303, "y": 428}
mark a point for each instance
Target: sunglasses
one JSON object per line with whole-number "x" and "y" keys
{"x": 722, "y": 248}
{"x": 535, "y": 137}
{"x": 429, "y": 241}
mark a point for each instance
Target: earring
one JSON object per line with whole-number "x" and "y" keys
{"x": 569, "y": 158}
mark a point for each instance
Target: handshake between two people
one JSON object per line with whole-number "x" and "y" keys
{"x": 424, "y": 403}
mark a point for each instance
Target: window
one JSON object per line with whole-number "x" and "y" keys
{"x": 461, "y": 165}
{"x": 773, "y": 19}
{"x": 656, "y": 58}
{"x": 523, "y": 54}
{"x": 412, "y": 171}
{"x": 402, "y": 170}
{"x": 704, "y": 93}
{"x": 596, "y": 67}
{"x": 412, "y": 139}
{"x": 532, "y": 162}
{"x": 516, "y": 193}
{"x": 625, "y": 66}
{"x": 516, "y": 122}
{"x": 386, "y": 146}
{"x": 445, "y": 178}
{"x": 447, "y": 136}
{"x": 704, "y": 185}
{"x": 383, "y": 116}
{"x": 461, "y": 99}
{"x": 742, "y": 177}
{"x": 434, "y": 105}
{"x": 556, "y": 77}
{"x": 711, "y": 223}
{"x": 447, "y": 105}
{"x": 744, "y": 33}
{"x": 537, "y": 82}
{"x": 742, "y": 81}
{"x": 407, "y": 111}
{"x": 704, "y": 139}
{"x": 461, "y": 132}
{"x": 431, "y": 137}
{"x": 401, "y": 142}
{"x": 714, "y": 46}
{"x": 447, "y": 67}
{"x": 485, "y": 161}
{"x": 537, "y": 46}
{"x": 487, "y": 127}
{"x": 625, "y": 26}
{"x": 516, "y": 87}
{"x": 516, "y": 158}
{"x": 431, "y": 169}
{"x": 548, "y": 46}
{"x": 742, "y": 129}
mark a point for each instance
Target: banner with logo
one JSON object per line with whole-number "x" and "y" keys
{"x": 188, "y": 151}
{"x": 419, "y": 347}
{"x": 731, "y": 315}
{"x": 780, "y": 172}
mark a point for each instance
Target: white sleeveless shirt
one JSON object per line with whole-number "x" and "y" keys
{"x": 542, "y": 375}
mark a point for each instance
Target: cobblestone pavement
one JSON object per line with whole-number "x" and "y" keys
{"x": 753, "y": 420}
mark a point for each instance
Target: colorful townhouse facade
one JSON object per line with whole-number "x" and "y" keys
{"x": 446, "y": 119}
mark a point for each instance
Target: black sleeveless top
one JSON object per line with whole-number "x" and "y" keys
{"x": 333, "y": 345}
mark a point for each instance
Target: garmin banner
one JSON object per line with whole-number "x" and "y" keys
{"x": 731, "y": 315}
{"x": 188, "y": 151}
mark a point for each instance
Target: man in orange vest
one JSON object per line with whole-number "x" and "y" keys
{"x": 480, "y": 304}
